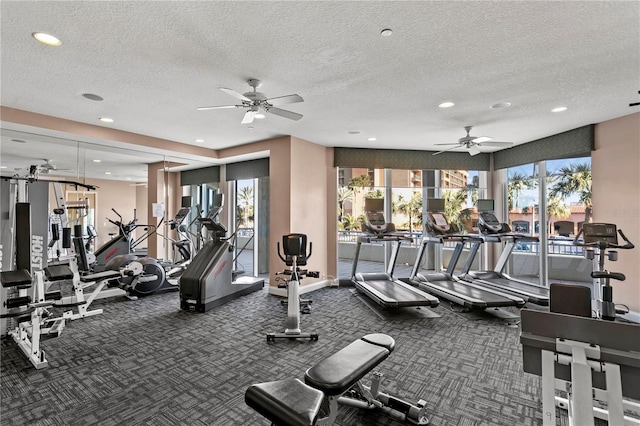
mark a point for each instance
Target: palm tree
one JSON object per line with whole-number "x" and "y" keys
{"x": 518, "y": 183}
{"x": 358, "y": 184}
{"x": 453, "y": 201}
{"x": 574, "y": 179}
{"x": 411, "y": 207}
{"x": 349, "y": 222}
{"x": 344, "y": 194}
{"x": 557, "y": 209}
{"x": 245, "y": 204}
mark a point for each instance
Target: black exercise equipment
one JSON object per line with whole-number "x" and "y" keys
{"x": 444, "y": 284}
{"x": 334, "y": 380}
{"x": 493, "y": 231}
{"x": 294, "y": 247}
{"x": 208, "y": 280}
{"x": 382, "y": 287}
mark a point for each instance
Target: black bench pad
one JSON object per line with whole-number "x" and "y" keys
{"x": 99, "y": 276}
{"x": 15, "y": 278}
{"x": 285, "y": 402}
{"x": 338, "y": 372}
{"x": 58, "y": 273}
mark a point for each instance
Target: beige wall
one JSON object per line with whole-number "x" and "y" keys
{"x": 299, "y": 177}
{"x": 615, "y": 165}
{"x": 163, "y": 187}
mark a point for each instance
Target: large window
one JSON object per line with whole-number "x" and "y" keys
{"x": 566, "y": 201}
{"x": 405, "y": 193}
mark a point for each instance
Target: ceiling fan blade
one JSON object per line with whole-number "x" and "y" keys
{"x": 235, "y": 94}
{"x": 503, "y": 144}
{"x": 289, "y": 99}
{"x": 248, "y": 117}
{"x": 218, "y": 107}
{"x": 446, "y": 150}
{"x": 480, "y": 139}
{"x": 454, "y": 143}
{"x": 284, "y": 113}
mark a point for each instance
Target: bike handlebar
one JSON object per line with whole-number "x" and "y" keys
{"x": 604, "y": 244}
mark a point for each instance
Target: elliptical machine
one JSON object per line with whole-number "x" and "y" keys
{"x": 599, "y": 240}
{"x": 294, "y": 247}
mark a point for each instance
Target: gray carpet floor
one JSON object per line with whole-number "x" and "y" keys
{"x": 146, "y": 362}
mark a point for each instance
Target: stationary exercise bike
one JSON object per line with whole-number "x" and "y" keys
{"x": 600, "y": 239}
{"x": 294, "y": 247}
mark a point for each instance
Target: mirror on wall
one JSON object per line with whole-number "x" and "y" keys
{"x": 119, "y": 174}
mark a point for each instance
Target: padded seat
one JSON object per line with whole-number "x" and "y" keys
{"x": 58, "y": 273}
{"x": 285, "y": 402}
{"x": 18, "y": 278}
{"x": 338, "y": 372}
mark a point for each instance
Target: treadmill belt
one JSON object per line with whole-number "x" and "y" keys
{"x": 536, "y": 294}
{"x": 390, "y": 293}
{"x": 471, "y": 297}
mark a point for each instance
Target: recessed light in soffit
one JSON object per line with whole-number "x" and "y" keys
{"x": 92, "y": 97}
{"x": 47, "y": 39}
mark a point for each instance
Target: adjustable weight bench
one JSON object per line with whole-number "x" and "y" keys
{"x": 336, "y": 380}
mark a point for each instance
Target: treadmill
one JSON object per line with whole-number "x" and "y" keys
{"x": 495, "y": 232}
{"x": 381, "y": 287}
{"x": 444, "y": 284}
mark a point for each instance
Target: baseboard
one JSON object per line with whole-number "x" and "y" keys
{"x": 282, "y": 292}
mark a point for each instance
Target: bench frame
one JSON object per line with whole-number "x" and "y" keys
{"x": 344, "y": 388}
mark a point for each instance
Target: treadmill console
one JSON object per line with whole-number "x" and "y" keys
{"x": 488, "y": 223}
{"x": 438, "y": 224}
{"x": 376, "y": 224}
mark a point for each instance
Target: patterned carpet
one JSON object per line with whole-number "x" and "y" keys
{"x": 146, "y": 362}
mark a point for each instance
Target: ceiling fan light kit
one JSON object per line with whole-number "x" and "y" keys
{"x": 257, "y": 103}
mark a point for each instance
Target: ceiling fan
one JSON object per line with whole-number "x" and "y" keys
{"x": 47, "y": 167}
{"x": 257, "y": 103}
{"x": 471, "y": 143}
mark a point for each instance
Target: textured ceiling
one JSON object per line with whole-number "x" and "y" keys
{"x": 155, "y": 62}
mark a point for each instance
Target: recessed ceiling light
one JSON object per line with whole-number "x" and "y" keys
{"x": 47, "y": 39}
{"x": 354, "y": 132}
{"x": 92, "y": 97}
{"x": 446, "y": 105}
{"x": 97, "y": 161}
{"x": 559, "y": 109}
{"x": 106, "y": 119}
{"x": 259, "y": 115}
{"x": 199, "y": 140}
{"x": 3, "y": 167}
{"x": 128, "y": 178}
{"x": 371, "y": 139}
{"x": 500, "y": 105}
{"x": 386, "y": 32}
{"x": 107, "y": 173}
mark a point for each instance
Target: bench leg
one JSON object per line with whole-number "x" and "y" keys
{"x": 333, "y": 412}
{"x": 370, "y": 397}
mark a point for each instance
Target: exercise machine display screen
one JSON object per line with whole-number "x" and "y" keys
{"x": 600, "y": 232}
{"x": 435, "y": 204}
{"x": 486, "y": 205}
{"x": 374, "y": 204}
